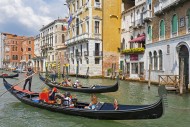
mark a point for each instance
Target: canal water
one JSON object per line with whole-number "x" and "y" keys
{"x": 13, "y": 113}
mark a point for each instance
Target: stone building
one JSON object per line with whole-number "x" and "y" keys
{"x": 93, "y": 36}
{"x": 51, "y": 39}
{"x": 169, "y": 48}
{"x": 133, "y": 38}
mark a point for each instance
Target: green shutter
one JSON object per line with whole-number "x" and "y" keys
{"x": 162, "y": 32}
{"x": 121, "y": 65}
{"x": 174, "y": 24}
{"x": 189, "y": 18}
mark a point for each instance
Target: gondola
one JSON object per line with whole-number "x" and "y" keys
{"x": 9, "y": 76}
{"x": 102, "y": 110}
{"x": 93, "y": 89}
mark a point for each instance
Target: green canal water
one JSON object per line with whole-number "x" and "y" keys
{"x": 13, "y": 113}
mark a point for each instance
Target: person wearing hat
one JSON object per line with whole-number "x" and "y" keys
{"x": 28, "y": 74}
{"x": 52, "y": 94}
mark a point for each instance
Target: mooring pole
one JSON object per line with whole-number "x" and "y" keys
{"x": 181, "y": 75}
{"x": 149, "y": 73}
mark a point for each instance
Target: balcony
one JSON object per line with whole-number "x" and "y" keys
{"x": 147, "y": 15}
{"x": 77, "y": 38}
{"x": 139, "y": 22}
{"x": 86, "y": 53}
{"x": 165, "y": 5}
{"x": 98, "y": 53}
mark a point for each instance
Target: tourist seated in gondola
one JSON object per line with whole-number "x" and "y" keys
{"x": 68, "y": 100}
{"x": 68, "y": 82}
{"x": 77, "y": 84}
{"x": 93, "y": 102}
{"x": 52, "y": 94}
{"x": 115, "y": 105}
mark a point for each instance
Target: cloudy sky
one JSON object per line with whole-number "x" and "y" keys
{"x": 26, "y": 17}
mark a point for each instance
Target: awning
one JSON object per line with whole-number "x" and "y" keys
{"x": 141, "y": 38}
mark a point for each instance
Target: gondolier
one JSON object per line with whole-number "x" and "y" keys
{"x": 29, "y": 79}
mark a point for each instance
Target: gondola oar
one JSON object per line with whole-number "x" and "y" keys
{"x": 17, "y": 84}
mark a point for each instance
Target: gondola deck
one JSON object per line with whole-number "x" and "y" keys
{"x": 95, "y": 89}
{"x": 102, "y": 111}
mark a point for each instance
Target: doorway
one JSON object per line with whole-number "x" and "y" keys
{"x": 184, "y": 58}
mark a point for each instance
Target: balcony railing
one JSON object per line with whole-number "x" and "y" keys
{"x": 163, "y": 5}
{"x": 147, "y": 15}
{"x": 97, "y": 53}
{"x": 82, "y": 37}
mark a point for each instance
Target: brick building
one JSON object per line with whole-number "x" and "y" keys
{"x": 169, "y": 47}
{"x": 15, "y": 50}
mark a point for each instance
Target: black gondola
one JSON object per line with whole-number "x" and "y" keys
{"x": 9, "y": 76}
{"x": 94, "y": 89}
{"x": 102, "y": 111}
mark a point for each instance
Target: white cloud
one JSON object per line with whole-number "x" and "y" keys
{"x": 31, "y": 14}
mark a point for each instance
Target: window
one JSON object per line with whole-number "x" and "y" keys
{"x": 155, "y": 61}
{"x": 29, "y": 57}
{"x": 162, "y": 30}
{"x": 150, "y": 58}
{"x": 77, "y": 26}
{"x": 97, "y": 60}
{"x": 123, "y": 44}
{"x": 160, "y": 60}
{"x": 174, "y": 25}
{"x": 134, "y": 68}
{"x": 15, "y": 48}
{"x": 141, "y": 68}
{"x": 168, "y": 49}
{"x": 97, "y": 23}
{"x": 87, "y": 26}
{"x": 29, "y": 42}
{"x": 29, "y": 49}
{"x": 55, "y": 38}
{"x": 149, "y": 33}
{"x": 121, "y": 65}
{"x": 188, "y": 20}
{"x": 63, "y": 38}
{"x": 128, "y": 68}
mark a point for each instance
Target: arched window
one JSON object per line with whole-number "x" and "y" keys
{"x": 160, "y": 60}
{"x": 150, "y": 58}
{"x": 174, "y": 25}
{"x": 149, "y": 33}
{"x": 162, "y": 29}
{"x": 155, "y": 61}
{"x": 188, "y": 20}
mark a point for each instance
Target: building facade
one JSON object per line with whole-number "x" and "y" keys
{"x": 133, "y": 39}
{"x": 52, "y": 38}
{"x": 169, "y": 49}
{"x": 16, "y": 50}
{"x": 93, "y": 36}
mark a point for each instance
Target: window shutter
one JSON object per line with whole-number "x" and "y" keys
{"x": 162, "y": 28}
{"x": 189, "y": 18}
{"x": 174, "y": 24}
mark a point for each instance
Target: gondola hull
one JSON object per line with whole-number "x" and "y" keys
{"x": 104, "y": 111}
{"x": 10, "y": 76}
{"x": 98, "y": 89}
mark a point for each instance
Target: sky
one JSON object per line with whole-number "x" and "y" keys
{"x": 26, "y": 17}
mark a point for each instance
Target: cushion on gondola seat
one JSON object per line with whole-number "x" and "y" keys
{"x": 44, "y": 96}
